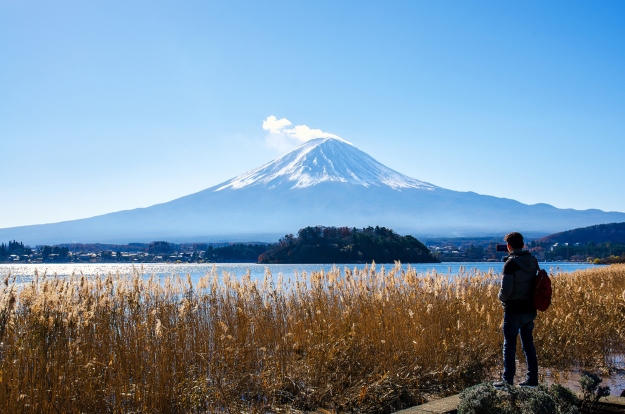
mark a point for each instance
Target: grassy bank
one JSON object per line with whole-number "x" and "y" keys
{"x": 361, "y": 339}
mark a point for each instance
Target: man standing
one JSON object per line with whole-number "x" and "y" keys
{"x": 517, "y": 297}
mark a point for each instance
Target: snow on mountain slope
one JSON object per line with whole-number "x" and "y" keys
{"x": 324, "y": 160}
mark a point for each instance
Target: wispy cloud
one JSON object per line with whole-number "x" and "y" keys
{"x": 283, "y": 138}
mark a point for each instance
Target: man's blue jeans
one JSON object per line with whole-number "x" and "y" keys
{"x": 512, "y": 325}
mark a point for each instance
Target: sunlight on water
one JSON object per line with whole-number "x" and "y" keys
{"x": 25, "y": 272}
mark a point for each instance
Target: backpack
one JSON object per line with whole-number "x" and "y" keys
{"x": 542, "y": 290}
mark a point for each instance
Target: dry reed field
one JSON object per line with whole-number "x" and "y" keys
{"x": 341, "y": 341}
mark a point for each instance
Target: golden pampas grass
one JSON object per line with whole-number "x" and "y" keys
{"x": 121, "y": 343}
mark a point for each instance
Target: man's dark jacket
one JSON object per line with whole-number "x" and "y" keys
{"x": 517, "y": 285}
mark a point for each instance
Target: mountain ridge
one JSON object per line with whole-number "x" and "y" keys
{"x": 325, "y": 182}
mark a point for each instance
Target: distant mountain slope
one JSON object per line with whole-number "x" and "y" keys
{"x": 325, "y": 182}
{"x": 601, "y": 233}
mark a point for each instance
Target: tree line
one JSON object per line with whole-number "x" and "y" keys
{"x": 13, "y": 248}
{"x": 157, "y": 251}
{"x": 317, "y": 244}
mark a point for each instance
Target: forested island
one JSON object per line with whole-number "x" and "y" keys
{"x": 321, "y": 244}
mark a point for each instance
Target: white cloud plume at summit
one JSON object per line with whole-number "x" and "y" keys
{"x": 282, "y": 138}
{"x": 274, "y": 125}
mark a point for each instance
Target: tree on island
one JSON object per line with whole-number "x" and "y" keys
{"x": 321, "y": 244}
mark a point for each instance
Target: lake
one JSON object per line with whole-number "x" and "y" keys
{"x": 25, "y": 272}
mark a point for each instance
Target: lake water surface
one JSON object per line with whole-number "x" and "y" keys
{"x": 25, "y": 272}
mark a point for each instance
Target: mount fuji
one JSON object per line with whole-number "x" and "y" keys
{"x": 325, "y": 181}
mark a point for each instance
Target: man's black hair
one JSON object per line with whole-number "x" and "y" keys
{"x": 515, "y": 240}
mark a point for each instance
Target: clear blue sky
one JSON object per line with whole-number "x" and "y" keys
{"x": 111, "y": 105}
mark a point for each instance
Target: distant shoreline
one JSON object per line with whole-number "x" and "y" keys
{"x": 80, "y": 262}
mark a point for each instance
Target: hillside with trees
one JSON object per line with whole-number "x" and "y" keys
{"x": 577, "y": 252}
{"x": 603, "y": 243}
{"x": 601, "y": 233}
{"x": 321, "y": 244}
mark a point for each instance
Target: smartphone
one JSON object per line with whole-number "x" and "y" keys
{"x": 502, "y": 248}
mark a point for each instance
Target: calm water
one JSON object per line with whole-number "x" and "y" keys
{"x": 25, "y": 272}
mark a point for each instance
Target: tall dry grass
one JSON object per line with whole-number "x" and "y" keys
{"x": 347, "y": 341}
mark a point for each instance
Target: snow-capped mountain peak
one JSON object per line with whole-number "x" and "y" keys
{"x": 324, "y": 160}
{"x": 323, "y": 182}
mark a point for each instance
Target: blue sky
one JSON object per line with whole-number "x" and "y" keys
{"x": 112, "y": 105}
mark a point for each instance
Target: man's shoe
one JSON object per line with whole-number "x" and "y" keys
{"x": 501, "y": 384}
{"x": 529, "y": 384}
